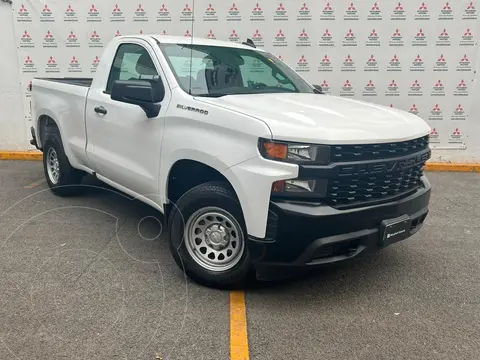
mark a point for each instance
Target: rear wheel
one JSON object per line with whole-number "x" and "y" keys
{"x": 208, "y": 236}
{"x": 61, "y": 177}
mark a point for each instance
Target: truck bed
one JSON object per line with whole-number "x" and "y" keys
{"x": 86, "y": 82}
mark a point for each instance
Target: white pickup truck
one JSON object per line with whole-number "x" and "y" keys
{"x": 253, "y": 167}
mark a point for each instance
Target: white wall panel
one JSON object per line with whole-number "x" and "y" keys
{"x": 420, "y": 56}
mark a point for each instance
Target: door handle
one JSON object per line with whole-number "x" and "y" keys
{"x": 100, "y": 110}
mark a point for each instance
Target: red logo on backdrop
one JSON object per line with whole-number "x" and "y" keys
{"x": 210, "y": 8}
{"x": 74, "y": 60}
{"x": 303, "y": 34}
{"x": 118, "y": 33}
{"x": 280, "y": 33}
{"x": 349, "y": 59}
{"x": 462, "y": 84}
{"x": 22, "y": 9}
{"x": 96, "y": 60}
{"x": 391, "y": 105}
{"x": 471, "y": 6}
{"x": 416, "y": 84}
{"x": 327, "y": 33}
{"x": 468, "y": 33}
{"x": 187, "y": 8}
{"x": 49, "y": 35}
{"x": 140, "y": 9}
{"x": 395, "y": 59}
{"x": 28, "y": 60}
{"x": 465, "y": 59}
{"x": 94, "y": 35}
{"x": 93, "y": 9}
{"x": 187, "y": 33}
{"x": 447, "y": 7}
{"x": 441, "y": 59}
{"x": 26, "y": 35}
{"x": 436, "y": 108}
{"x": 370, "y": 84}
{"x": 281, "y": 7}
{"x": 373, "y": 33}
{"x": 69, "y": 9}
{"x": 457, "y": 132}
{"x": 324, "y": 84}
{"x": 163, "y": 8}
{"x": 372, "y": 59}
{"x": 211, "y": 35}
{"x": 351, "y": 7}
{"x": 418, "y": 59}
{"x": 164, "y": 32}
{"x": 257, "y": 34}
{"x": 434, "y": 132}
{"x": 72, "y": 35}
{"x": 302, "y": 60}
{"x": 116, "y": 9}
{"x": 393, "y": 84}
{"x": 347, "y": 84}
{"x": 444, "y": 33}
{"x": 326, "y": 60}
{"x": 304, "y": 7}
{"x": 414, "y": 108}
{"x": 46, "y": 9}
{"x": 257, "y": 8}
{"x": 399, "y": 7}
{"x": 423, "y": 7}
{"x": 51, "y": 60}
{"x": 234, "y": 7}
{"x": 439, "y": 84}
{"x": 327, "y": 7}
{"x": 234, "y": 34}
{"x": 397, "y": 33}
{"x": 459, "y": 107}
{"x": 350, "y": 33}
{"x": 375, "y": 7}
{"x": 420, "y": 33}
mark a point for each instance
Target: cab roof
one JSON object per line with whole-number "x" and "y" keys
{"x": 168, "y": 39}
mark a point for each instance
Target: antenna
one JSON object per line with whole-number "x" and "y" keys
{"x": 191, "y": 49}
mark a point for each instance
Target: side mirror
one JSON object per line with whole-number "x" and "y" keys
{"x": 143, "y": 93}
{"x": 317, "y": 89}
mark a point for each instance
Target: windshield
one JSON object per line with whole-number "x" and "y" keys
{"x": 203, "y": 70}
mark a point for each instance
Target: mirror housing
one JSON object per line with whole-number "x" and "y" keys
{"x": 317, "y": 89}
{"x": 144, "y": 93}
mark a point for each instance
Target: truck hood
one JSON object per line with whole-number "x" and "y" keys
{"x": 315, "y": 118}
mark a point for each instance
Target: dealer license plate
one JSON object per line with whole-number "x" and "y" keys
{"x": 394, "y": 230}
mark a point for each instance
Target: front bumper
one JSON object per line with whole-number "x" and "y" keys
{"x": 304, "y": 235}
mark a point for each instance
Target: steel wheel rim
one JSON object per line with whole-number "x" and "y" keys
{"x": 53, "y": 166}
{"x": 214, "y": 239}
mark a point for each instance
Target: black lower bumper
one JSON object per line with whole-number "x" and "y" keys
{"x": 303, "y": 235}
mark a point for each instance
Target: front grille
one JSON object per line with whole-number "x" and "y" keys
{"x": 342, "y": 153}
{"x": 363, "y": 189}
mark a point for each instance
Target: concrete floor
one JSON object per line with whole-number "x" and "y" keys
{"x": 91, "y": 277}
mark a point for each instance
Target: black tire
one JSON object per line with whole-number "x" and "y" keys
{"x": 211, "y": 194}
{"x": 68, "y": 176}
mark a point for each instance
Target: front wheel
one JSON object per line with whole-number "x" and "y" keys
{"x": 208, "y": 238}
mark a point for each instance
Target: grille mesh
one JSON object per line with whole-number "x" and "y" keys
{"x": 362, "y": 189}
{"x": 341, "y": 153}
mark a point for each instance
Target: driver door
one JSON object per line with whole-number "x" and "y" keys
{"x": 123, "y": 143}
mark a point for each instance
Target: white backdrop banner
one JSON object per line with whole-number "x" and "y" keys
{"x": 416, "y": 55}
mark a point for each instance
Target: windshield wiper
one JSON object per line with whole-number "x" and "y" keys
{"x": 211, "y": 95}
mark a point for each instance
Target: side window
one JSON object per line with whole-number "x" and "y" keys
{"x": 131, "y": 62}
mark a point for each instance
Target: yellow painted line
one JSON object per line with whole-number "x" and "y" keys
{"x": 238, "y": 327}
{"x": 21, "y": 155}
{"x": 431, "y": 166}
{"x": 452, "y": 167}
{"x": 34, "y": 184}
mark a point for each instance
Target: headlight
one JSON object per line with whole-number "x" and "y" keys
{"x": 295, "y": 153}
